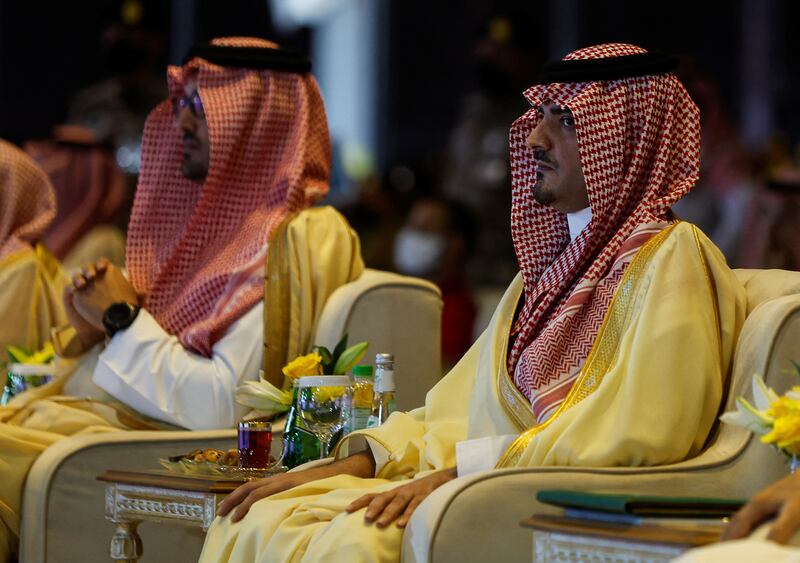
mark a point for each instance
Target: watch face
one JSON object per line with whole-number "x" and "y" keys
{"x": 118, "y": 313}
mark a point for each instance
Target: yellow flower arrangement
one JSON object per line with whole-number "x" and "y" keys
{"x": 775, "y": 418}
{"x": 785, "y": 433}
{"x": 269, "y": 400}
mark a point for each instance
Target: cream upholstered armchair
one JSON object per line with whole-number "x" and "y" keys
{"x": 491, "y": 504}
{"x": 63, "y": 517}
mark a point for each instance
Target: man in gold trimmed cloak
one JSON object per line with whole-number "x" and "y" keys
{"x": 230, "y": 164}
{"x": 610, "y": 348}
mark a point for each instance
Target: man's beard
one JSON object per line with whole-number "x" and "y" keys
{"x": 193, "y": 170}
{"x": 540, "y": 192}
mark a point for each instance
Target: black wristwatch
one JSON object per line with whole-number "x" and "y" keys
{"x": 119, "y": 316}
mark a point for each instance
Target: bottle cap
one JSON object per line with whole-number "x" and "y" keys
{"x": 383, "y": 359}
{"x": 362, "y": 371}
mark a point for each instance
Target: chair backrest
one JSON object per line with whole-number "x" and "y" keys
{"x": 764, "y": 285}
{"x": 397, "y": 314}
{"x": 769, "y": 340}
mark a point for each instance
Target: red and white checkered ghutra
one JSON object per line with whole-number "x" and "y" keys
{"x": 639, "y": 145}
{"x": 197, "y": 252}
{"x": 27, "y": 201}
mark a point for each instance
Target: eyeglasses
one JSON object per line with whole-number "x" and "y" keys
{"x": 193, "y": 102}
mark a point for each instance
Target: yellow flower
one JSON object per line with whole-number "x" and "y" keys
{"x": 784, "y": 406}
{"x": 310, "y": 364}
{"x": 785, "y": 433}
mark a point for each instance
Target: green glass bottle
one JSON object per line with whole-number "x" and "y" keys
{"x": 299, "y": 444}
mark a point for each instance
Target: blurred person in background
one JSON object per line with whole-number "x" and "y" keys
{"x": 116, "y": 107}
{"x": 476, "y": 169}
{"x": 720, "y": 201}
{"x": 91, "y": 194}
{"x": 773, "y": 223}
{"x": 30, "y": 277}
{"x": 435, "y": 243}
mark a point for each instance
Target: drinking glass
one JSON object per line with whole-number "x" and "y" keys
{"x": 255, "y": 439}
{"x": 323, "y": 402}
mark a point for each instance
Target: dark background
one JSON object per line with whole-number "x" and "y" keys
{"x": 50, "y": 50}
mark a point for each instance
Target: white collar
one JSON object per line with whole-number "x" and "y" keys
{"x": 577, "y": 221}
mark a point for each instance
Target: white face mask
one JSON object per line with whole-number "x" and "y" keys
{"x": 417, "y": 253}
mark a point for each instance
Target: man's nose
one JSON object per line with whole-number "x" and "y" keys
{"x": 186, "y": 121}
{"x": 539, "y": 139}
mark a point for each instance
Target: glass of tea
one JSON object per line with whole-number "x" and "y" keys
{"x": 255, "y": 439}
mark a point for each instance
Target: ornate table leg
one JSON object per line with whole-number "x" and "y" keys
{"x": 126, "y": 545}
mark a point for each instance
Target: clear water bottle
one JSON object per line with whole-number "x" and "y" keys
{"x": 361, "y": 405}
{"x": 384, "y": 388}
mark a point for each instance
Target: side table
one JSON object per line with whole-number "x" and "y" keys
{"x": 134, "y": 496}
{"x": 557, "y": 538}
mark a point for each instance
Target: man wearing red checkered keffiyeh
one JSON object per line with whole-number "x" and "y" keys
{"x": 30, "y": 277}
{"x": 230, "y": 165}
{"x": 241, "y": 145}
{"x": 611, "y": 142}
{"x": 633, "y": 147}
{"x": 610, "y": 348}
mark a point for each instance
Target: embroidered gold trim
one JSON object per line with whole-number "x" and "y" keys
{"x": 604, "y": 348}
{"x": 712, "y": 289}
{"x": 515, "y": 403}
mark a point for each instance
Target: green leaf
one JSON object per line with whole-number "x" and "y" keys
{"x": 340, "y": 347}
{"x": 796, "y": 368}
{"x": 327, "y": 359}
{"x": 43, "y": 356}
{"x": 350, "y": 357}
{"x": 17, "y": 355}
{"x": 325, "y": 353}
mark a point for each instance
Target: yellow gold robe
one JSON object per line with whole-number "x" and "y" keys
{"x": 647, "y": 395}
{"x": 30, "y": 305}
{"x": 31, "y": 283}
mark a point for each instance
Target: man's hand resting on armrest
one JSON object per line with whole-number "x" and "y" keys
{"x": 401, "y": 502}
{"x": 361, "y": 464}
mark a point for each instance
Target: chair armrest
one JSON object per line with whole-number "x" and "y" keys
{"x": 492, "y": 504}
{"x": 62, "y": 509}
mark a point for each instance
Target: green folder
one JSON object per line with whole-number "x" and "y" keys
{"x": 641, "y": 505}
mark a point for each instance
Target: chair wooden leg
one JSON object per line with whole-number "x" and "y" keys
{"x": 126, "y": 545}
